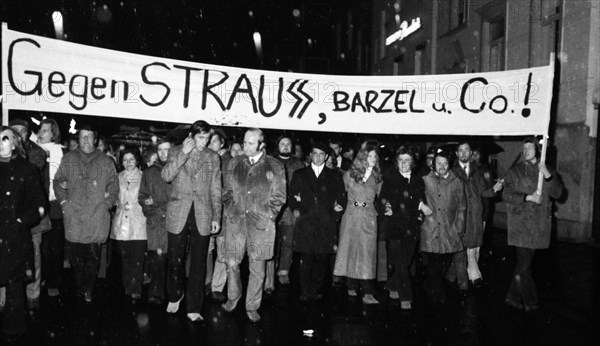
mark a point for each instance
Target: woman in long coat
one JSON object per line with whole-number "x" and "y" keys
{"x": 529, "y": 220}
{"x": 22, "y": 205}
{"x": 401, "y": 194}
{"x": 356, "y": 257}
{"x": 129, "y": 225}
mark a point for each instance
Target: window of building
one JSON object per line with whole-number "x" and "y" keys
{"x": 497, "y": 45}
{"x": 452, "y": 14}
{"x": 419, "y": 55}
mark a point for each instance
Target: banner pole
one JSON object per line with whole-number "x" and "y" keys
{"x": 545, "y": 138}
{"x": 2, "y": 72}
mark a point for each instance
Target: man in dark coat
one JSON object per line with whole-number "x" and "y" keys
{"x": 21, "y": 206}
{"x": 153, "y": 197}
{"x": 529, "y": 219}
{"x": 254, "y": 192}
{"x": 464, "y": 264}
{"x": 316, "y": 196}
{"x": 339, "y": 161}
{"x": 216, "y": 276}
{"x": 285, "y": 224}
{"x": 37, "y": 156}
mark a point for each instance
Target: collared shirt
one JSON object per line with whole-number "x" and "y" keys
{"x": 406, "y": 175}
{"x": 254, "y": 159}
{"x": 317, "y": 169}
{"x": 339, "y": 161}
{"x": 465, "y": 167}
{"x": 367, "y": 173}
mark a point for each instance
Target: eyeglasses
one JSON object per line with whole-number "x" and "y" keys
{"x": 5, "y": 139}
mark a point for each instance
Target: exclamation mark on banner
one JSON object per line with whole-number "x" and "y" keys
{"x": 526, "y": 111}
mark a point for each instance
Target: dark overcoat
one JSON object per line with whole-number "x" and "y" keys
{"x": 442, "y": 231}
{"x": 529, "y": 224}
{"x": 404, "y": 196}
{"x": 22, "y": 196}
{"x": 253, "y": 196}
{"x": 476, "y": 189}
{"x": 153, "y": 186}
{"x": 314, "y": 199}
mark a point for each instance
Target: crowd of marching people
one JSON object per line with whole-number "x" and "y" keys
{"x": 182, "y": 217}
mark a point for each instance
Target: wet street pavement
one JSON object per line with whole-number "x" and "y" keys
{"x": 567, "y": 276}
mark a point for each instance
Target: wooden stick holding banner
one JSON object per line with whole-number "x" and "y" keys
{"x": 545, "y": 138}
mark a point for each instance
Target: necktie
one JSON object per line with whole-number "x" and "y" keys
{"x": 251, "y": 161}
{"x": 467, "y": 170}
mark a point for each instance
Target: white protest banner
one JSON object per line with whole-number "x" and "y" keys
{"x": 42, "y": 74}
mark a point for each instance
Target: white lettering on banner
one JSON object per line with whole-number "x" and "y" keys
{"x": 43, "y": 74}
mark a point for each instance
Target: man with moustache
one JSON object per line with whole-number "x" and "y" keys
{"x": 285, "y": 224}
{"x": 153, "y": 197}
{"x": 254, "y": 192}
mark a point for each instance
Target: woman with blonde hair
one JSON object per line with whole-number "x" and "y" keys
{"x": 357, "y": 250}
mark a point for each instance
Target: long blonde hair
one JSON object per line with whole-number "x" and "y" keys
{"x": 360, "y": 164}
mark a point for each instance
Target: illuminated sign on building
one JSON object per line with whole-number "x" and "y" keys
{"x": 405, "y": 31}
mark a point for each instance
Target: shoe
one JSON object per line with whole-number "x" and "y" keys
{"x": 513, "y": 303}
{"x": 532, "y": 307}
{"x": 217, "y": 296}
{"x": 269, "y": 290}
{"x": 406, "y": 305}
{"x": 155, "y": 300}
{"x": 195, "y": 317}
{"x": 33, "y": 304}
{"x": 53, "y": 292}
{"x": 317, "y": 296}
{"x": 369, "y": 299}
{"x": 337, "y": 281}
{"x": 173, "y": 307}
{"x": 253, "y": 316}
{"x": 477, "y": 283}
{"x": 87, "y": 296}
{"x": 284, "y": 279}
{"x": 394, "y": 295}
{"x": 229, "y": 306}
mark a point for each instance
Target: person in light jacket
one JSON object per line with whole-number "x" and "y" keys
{"x": 444, "y": 224}
{"x": 129, "y": 225}
{"x": 193, "y": 214}
{"x": 529, "y": 219}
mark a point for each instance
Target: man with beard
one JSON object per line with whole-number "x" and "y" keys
{"x": 285, "y": 224}
{"x": 153, "y": 197}
{"x": 475, "y": 190}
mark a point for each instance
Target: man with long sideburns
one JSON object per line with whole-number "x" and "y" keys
{"x": 255, "y": 191}
{"x": 193, "y": 214}
{"x": 285, "y": 223}
{"x": 465, "y": 261}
